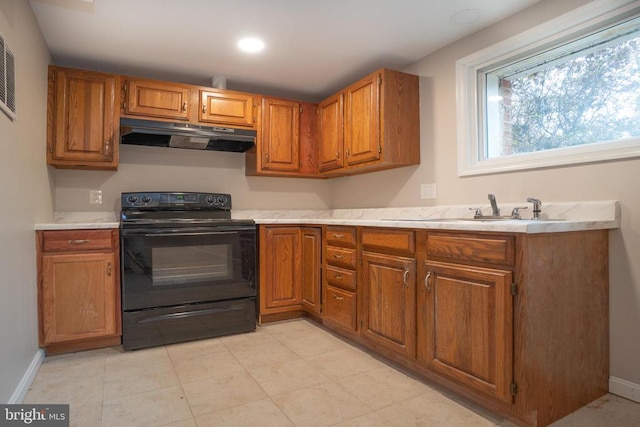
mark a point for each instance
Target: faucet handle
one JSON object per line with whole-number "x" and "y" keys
{"x": 478, "y": 212}
{"x": 515, "y": 213}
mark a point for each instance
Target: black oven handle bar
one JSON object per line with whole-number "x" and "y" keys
{"x": 181, "y": 232}
{"x": 192, "y": 313}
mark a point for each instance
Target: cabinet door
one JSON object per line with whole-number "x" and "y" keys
{"x": 282, "y": 255}
{"x": 311, "y": 281}
{"x": 79, "y": 297}
{"x": 156, "y": 99}
{"x": 84, "y": 124}
{"x": 226, "y": 108}
{"x": 388, "y": 291}
{"x": 362, "y": 133}
{"x": 280, "y": 136}
{"x": 465, "y": 328}
{"x": 330, "y": 119}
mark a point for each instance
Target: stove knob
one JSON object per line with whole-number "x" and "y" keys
{"x": 132, "y": 199}
{"x": 146, "y": 199}
{"x": 222, "y": 200}
{"x": 210, "y": 199}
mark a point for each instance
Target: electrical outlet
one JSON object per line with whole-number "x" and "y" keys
{"x": 95, "y": 197}
{"x": 428, "y": 191}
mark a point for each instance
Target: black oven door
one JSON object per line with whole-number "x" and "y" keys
{"x": 168, "y": 267}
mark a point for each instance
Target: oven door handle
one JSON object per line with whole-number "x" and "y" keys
{"x": 193, "y": 313}
{"x": 195, "y": 233}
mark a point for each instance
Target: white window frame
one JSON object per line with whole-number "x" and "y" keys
{"x": 470, "y": 113}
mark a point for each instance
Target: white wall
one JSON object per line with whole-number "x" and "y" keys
{"x": 25, "y": 194}
{"x": 616, "y": 180}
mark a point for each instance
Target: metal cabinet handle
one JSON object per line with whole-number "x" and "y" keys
{"x": 338, "y": 256}
{"x": 338, "y": 236}
{"x": 204, "y": 109}
{"x": 426, "y": 281}
{"x": 78, "y": 242}
{"x": 338, "y": 276}
{"x": 107, "y": 147}
{"x": 184, "y": 107}
{"x": 405, "y": 276}
{"x": 337, "y": 298}
{"x": 109, "y": 270}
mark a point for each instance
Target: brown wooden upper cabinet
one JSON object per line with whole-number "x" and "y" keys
{"x": 83, "y": 119}
{"x": 156, "y": 99}
{"x": 280, "y": 138}
{"x": 381, "y": 125}
{"x": 286, "y": 140}
{"x": 330, "y": 130}
{"x": 226, "y": 108}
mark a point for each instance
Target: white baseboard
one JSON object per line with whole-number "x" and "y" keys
{"x": 23, "y": 387}
{"x": 624, "y": 388}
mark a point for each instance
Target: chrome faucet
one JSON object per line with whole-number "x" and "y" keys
{"x": 494, "y": 205}
{"x": 536, "y": 207}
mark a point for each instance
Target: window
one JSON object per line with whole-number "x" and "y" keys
{"x": 565, "y": 92}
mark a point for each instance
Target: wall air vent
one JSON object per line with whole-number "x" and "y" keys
{"x": 7, "y": 80}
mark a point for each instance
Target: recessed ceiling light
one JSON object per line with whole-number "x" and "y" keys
{"x": 251, "y": 44}
{"x": 465, "y": 16}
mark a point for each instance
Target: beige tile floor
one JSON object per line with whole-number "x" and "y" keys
{"x": 285, "y": 374}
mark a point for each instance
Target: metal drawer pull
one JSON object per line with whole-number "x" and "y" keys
{"x": 184, "y": 107}
{"x": 338, "y": 236}
{"x": 109, "y": 270}
{"x": 338, "y": 256}
{"x": 78, "y": 242}
{"x": 336, "y": 297}
{"x": 426, "y": 281}
{"x": 405, "y": 276}
{"x": 338, "y": 276}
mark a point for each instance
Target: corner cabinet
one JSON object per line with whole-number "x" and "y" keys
{"x": 78, "y": 289}
{"x": 82, "y": 119}
{"x": 286, "y": 140}
{"x": 289, "y": 259}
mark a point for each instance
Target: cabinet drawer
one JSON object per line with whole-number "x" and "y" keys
{"x": 77, "y": 240}
{"x": 342, "y": 278}
{"x": 491, "y": 249}
{"x": 341, "y": 236}
{"x": 340, "y": 307}
{"x": 344, "y": 257}
{"x": 393, "y": 240}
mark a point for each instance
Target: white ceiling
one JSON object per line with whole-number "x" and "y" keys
{"x": 313, "y": 47}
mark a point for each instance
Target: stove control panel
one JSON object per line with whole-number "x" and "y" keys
{"x": 176, "y": 200}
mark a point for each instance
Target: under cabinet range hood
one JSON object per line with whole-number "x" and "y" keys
{"x": 185, "y": 135}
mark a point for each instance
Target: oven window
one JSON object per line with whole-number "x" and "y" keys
{"x": 191, "y": 264}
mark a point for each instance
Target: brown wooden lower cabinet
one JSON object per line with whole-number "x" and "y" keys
{"x": 465, "y": 329}
{"x": 517, "y": 323}
{"x": 78, "y": 290}
{"x": 289, "y": 271}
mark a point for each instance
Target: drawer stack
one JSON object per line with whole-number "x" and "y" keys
{"x": 340, "y": 278}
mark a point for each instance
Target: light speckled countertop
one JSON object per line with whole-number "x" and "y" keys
{"x": 81, "y": 220}
{"x": 555, "y": 217}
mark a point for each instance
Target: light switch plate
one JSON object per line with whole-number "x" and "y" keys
{"x": 95, "y": 197}
{"x": 428, "y": 191}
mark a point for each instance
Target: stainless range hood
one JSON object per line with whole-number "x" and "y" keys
{"x": 185, "y": 135}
